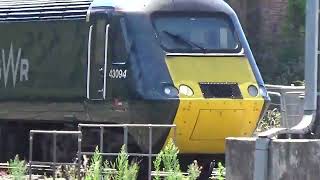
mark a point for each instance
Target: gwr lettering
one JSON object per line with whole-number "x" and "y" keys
{"x": 16, "y": 63}
{"x": 24, "y": 70}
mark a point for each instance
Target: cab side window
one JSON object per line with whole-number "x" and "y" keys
{"x": 118, "y": 49}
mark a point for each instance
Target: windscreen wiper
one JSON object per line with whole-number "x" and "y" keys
{"x": 186, "y": 41}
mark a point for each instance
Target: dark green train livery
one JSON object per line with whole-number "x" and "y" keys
{"x": 43, "y": 60}
{"x": 77, "y": 61}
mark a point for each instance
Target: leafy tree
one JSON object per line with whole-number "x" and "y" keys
{"x": 290, "y": 53}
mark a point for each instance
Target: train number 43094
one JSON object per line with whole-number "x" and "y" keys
{"x": 118, "y": 74}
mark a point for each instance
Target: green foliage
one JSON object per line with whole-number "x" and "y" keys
{"x": 67, "y": 172}
{"x": 290, "y": 50}
{"x": 168, "y": 160}
{"x": 94, "y": 170}
{"x": 194, "y": 171}
{"x": 157, "y": 165}
{"x": 125, "y": 170}
{"x": 221, "y": 172}
{"x": 298, "y": 83}
{"x": 168, "y": 157}
{"x": 270, "y": 120}
{"x": 279, "y": 55}
{"x": 108, "y": 171}
{"x": 120, "y": 170}
{"x": 296, "y": 14}
{"x": 17, "y": 168}
{"x": 290, "y": 53}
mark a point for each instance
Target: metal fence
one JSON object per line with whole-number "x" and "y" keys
{"x": 80, "y": 153}
{"x": 54, "y": 163}
{"x": 289, "y": 100}
{"x": 125, "y": 127}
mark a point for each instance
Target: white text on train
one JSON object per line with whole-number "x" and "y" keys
{"x": 14, "y": 63}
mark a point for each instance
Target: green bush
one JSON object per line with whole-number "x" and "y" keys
{"x": 125, "y": 170}
{"x": 121, "y": 169}
{"x": 17, "y": 168}
{"x": 194, "y": 170}
{"x": 289, "y": 52}
{"x": 167, "y": 162}
{"x": 270, "y": 120}
{"x": 94, "y": 170}
{"x": 219, "y": 173}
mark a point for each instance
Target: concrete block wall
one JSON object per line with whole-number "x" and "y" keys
{"x": 289, "y": 159}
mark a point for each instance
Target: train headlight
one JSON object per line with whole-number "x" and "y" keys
{"x": 170, "y": 91}
{"x": 253, "y": 91}
{"x": 185, "y": 90}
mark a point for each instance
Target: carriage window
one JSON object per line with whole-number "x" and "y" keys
{"x": 117, "y": 39}
{"x": 199, "y": 34}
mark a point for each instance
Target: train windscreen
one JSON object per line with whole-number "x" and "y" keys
{"x": 179, "y": 33}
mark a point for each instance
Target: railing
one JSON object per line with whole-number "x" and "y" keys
{"x": 54, "y": 164}
{"x": 125, "y": 139}
{"x": 80, "y": 153}
{"x": 290, "y": 103}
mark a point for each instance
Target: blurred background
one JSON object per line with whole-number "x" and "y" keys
{"x": 275, "y": 30}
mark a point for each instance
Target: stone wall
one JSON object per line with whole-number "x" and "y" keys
{"x": 288, "y": 159}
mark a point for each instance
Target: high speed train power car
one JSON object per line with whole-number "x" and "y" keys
{"x": 183, "y": 62}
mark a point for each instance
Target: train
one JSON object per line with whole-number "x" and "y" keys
{"x": 182, "y": 62}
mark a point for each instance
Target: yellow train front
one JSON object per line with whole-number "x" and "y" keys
{"x": 183, "y": 62}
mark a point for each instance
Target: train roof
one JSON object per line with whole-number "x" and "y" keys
{"x": 165, "y": 5}
{"x": 23, "y": 10}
